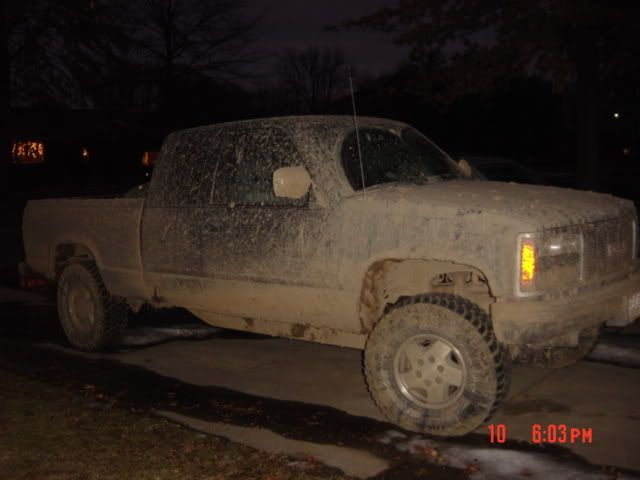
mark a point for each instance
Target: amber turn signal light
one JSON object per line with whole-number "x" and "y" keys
{"x": 527, "y": 263}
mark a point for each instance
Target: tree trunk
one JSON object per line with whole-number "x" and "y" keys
{"x": 168, "y": 95}
{"x": 587, "y": 89}
{"x": 5, "y": 100}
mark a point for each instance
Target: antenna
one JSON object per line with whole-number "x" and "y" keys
{"x": 355, "y": 125}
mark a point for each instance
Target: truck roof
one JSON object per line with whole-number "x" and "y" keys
{"x": 300, "y": 122}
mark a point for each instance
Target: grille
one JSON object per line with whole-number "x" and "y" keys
{"x": 608, "y": 246}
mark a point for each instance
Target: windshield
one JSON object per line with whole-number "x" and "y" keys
{"x": 390, "y": 157}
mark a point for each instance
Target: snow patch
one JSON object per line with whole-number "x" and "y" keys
{"x": 501, "y": 463}
{"x": 497, "y": 462}
{"x": 141, "y": 336}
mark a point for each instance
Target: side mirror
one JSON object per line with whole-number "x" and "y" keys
{"x": 465, "y": 168}
{"x": 291, "y": 182}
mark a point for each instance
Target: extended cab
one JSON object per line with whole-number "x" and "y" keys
{"x": 372, "y": 238}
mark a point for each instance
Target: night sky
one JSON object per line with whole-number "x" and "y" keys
{"x": 300, "y": 24}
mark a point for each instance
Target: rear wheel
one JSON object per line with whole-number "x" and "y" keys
{"x": 433, "y": 365}
{"x": 91, "y": 318}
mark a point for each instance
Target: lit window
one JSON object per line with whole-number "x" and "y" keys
{"x": 27, "y": 152}
{"x": 149, "y": 158}
{"x": 85, "y": 153}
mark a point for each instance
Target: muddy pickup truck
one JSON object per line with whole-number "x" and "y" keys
{"x": 369, "y": 237}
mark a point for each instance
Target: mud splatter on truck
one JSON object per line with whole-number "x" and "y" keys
{"x": 283, "y": 226}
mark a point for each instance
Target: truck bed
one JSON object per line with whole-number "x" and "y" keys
{"x": 107, "y": 227}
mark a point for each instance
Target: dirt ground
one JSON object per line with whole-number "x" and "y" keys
{"x": 48, "y": 433}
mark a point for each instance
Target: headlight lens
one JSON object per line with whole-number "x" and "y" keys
{"x": 549, "y": 260}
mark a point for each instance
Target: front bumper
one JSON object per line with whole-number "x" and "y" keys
{"x": 533, "y": 321}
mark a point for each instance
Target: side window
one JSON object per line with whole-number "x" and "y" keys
{"x": 185, "y": 179}
{"x": 245, "y": 172}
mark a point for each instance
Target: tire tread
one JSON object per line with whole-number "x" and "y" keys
{"x": 115, "y": 310}
{"x": 481, "y": 322}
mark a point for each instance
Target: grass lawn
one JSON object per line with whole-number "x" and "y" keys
{"x": 49, "y": 433}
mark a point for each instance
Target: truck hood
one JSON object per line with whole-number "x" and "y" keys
{"x": 536, "y": 206}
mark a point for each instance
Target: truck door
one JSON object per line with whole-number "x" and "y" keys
{"x": 255, "y": 240}
{"x": 170, "y": 228}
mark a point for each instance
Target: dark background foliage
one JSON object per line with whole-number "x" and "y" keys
{"x": 538, "y": 81}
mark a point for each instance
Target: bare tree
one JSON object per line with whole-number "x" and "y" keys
{"x": 313, "y": 77}
{"x": 51, "y": 52}
{"x": 4, "y": 99}
{"x": 182, "y": 37}
{"x": 579, "y": 42}
{"x": 56, "y": 49}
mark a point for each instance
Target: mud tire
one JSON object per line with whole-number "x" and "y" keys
{"x": 559, "y": 357}
{"x": 92, "y": 319}
{"x": 460, "y": 324}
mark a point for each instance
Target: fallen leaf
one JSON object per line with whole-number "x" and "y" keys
{"x": 472, "y": 467}
{"x": 188, "y": 448}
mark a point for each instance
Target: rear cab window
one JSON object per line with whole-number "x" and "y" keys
{"x": 245, "y": 172}
{"x": 222, "y": 165}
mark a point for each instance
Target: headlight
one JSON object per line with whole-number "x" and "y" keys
{"x": 550, "y": 260}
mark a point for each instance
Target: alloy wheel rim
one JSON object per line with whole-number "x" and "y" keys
{"x": 81, "y": 307}
{"x": 430, "y": 371}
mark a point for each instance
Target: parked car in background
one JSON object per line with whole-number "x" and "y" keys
{"x": 501, "y": 169}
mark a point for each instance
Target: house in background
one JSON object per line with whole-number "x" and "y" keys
{"x": 69, "y": 152}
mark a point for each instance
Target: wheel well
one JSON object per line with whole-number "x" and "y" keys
{"x": 386, "y": 281}
{"x": 66, "y": 251}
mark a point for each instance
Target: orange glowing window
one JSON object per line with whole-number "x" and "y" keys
{"x": 27, "y": 152}
{"x": 149, "y": 158}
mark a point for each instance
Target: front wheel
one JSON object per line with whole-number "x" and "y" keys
{"x": 433, "y": 365}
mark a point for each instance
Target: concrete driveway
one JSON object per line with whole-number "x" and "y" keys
{"x": 601, "y": 397}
